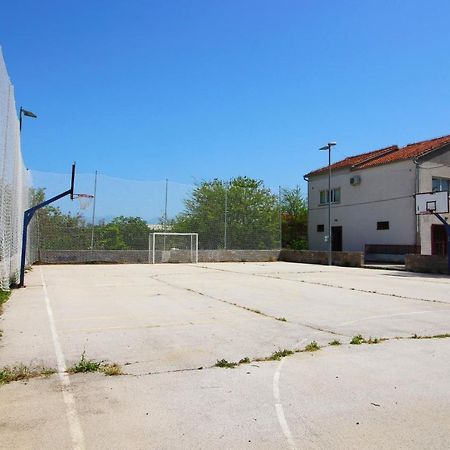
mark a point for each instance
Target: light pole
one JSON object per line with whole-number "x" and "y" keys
{"x": 330, "y": 246}
{"x": 24, "y": 112}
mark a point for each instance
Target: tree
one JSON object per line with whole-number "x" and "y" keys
{"x": 240, "y": 214}
{"x": 60, "y": 231}
{"x": 133, "y": 231}
{"x": 294, "y": 219}
{"x": 55, "y": 229}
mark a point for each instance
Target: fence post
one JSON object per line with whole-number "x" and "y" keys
{"x": 280, "y": 217}
{"x": 93, "y": 211}
{"x": 225, "y": 217}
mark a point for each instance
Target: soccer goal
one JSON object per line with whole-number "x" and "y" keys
{"x": 173, "y": 248}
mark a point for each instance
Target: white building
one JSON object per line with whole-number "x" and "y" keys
{"x": 373, "y": 200}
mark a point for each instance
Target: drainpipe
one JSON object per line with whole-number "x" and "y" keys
{"x": 417, "y": 182}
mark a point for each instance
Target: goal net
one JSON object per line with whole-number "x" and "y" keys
{"x": 173, "y": 248}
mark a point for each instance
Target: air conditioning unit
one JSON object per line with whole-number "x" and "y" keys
{"x": 355, "y": 180}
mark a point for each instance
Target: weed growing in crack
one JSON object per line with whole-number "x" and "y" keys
{"x": 282, "y": 319}
{"x": 225, "y": 364}
{"x": 436, "y": 336}
{"x": 335, "y": 342}
{"x": 357, "y": 340}
{"x": 23, "y": 372}
{"x": 312, "y": 347}
{"x": 373, "y": 340}
{"x": 276, "y": 356}
{"x": 85, "y": 365}
{"x": 112, "y": 370}
{"x": 245, "y": 360}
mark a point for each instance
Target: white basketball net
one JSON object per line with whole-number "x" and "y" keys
{"x": 84, "y": 200}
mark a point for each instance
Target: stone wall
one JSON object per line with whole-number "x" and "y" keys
{"x": 351, "y": 259}
{"x": 426, "y": 263}
{"x": 93, "y": 256}
{"x": 348, "y": 259}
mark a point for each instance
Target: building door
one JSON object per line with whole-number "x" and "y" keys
{"x": 438, "y": 240}
{"x": 336, "y": 239}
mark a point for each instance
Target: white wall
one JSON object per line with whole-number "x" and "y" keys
{"x": 385, "y": 194}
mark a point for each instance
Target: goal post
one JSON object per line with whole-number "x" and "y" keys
{"x": 173, "y": 248}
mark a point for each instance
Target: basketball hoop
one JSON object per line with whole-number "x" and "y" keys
{"x": 84, "y": 200}
{"x": 428, "y": 203}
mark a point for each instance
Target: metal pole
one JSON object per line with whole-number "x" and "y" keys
{"x": 27, "y": 216}
{"x": 165, "y": 205}
{"x": 165, "y": 212}
{"x": 20, "y": 119}
{"x": 196, "y": 248}
{"x": 153, "y": 248}
{"x": 93, "y": 211}
{"x": 225, "y": 218}
{"x": 26, "y": 220}
{"x": 330, "y": 246}
{"x": 281, "y": 217}
{"x": 150, "y": 253}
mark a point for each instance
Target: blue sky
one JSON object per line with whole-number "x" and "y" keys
{"x": 192, "y": 90}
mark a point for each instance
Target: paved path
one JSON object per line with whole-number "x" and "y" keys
{"x": 162, "y": 323}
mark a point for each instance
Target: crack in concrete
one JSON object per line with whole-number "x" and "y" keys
{"x": 246, "y": 308}
{"x": 281, "y": 354}
{"x": 190, "y": 369}
{"x": 275, "y": 356}
{"x": 318, "y": 283}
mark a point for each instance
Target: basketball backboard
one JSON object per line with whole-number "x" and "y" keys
{"x": 432, "y": 202}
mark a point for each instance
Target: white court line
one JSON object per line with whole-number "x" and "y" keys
{"x": 72, "y": 416}
{"x": 276, "y": 377}
{"x": 279, "y": 407}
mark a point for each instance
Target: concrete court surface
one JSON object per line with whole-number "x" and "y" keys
{"x": 163, "y": 322}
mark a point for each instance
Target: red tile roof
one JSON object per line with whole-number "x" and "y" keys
{"x": 386, "y": 155}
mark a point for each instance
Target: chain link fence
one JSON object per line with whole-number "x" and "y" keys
{"x": 15, "y": 187}
{"x": 238, "y": 214}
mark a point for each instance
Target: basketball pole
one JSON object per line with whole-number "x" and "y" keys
{"x": 28, "y": 215}
{"x": 447, "y": 229}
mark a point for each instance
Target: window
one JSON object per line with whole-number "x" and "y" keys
{"x": 441, "y": 184}
{"x": 320, "y": 228}
{"x": 383, "y": 225}
{"x": 335, "y": 196}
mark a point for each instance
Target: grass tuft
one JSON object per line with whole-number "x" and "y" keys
{"x": 282, "y": 319}
{"x": 245, "y": 360}
{"x": 312, "y": 347}
{"x": 335, "y": 342}
{"x": 276, "y": 356}
{"x": 4, "y": 296}
{"x": 112, "y": 370}
{"x": 373, "y": 341}
{"x": 23, "y": 372}
{"x": 85, "y": 365}
{"x": 357, "y": 340}
{"x": 225, "y": 364}
{"x": 436, "y": 336}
